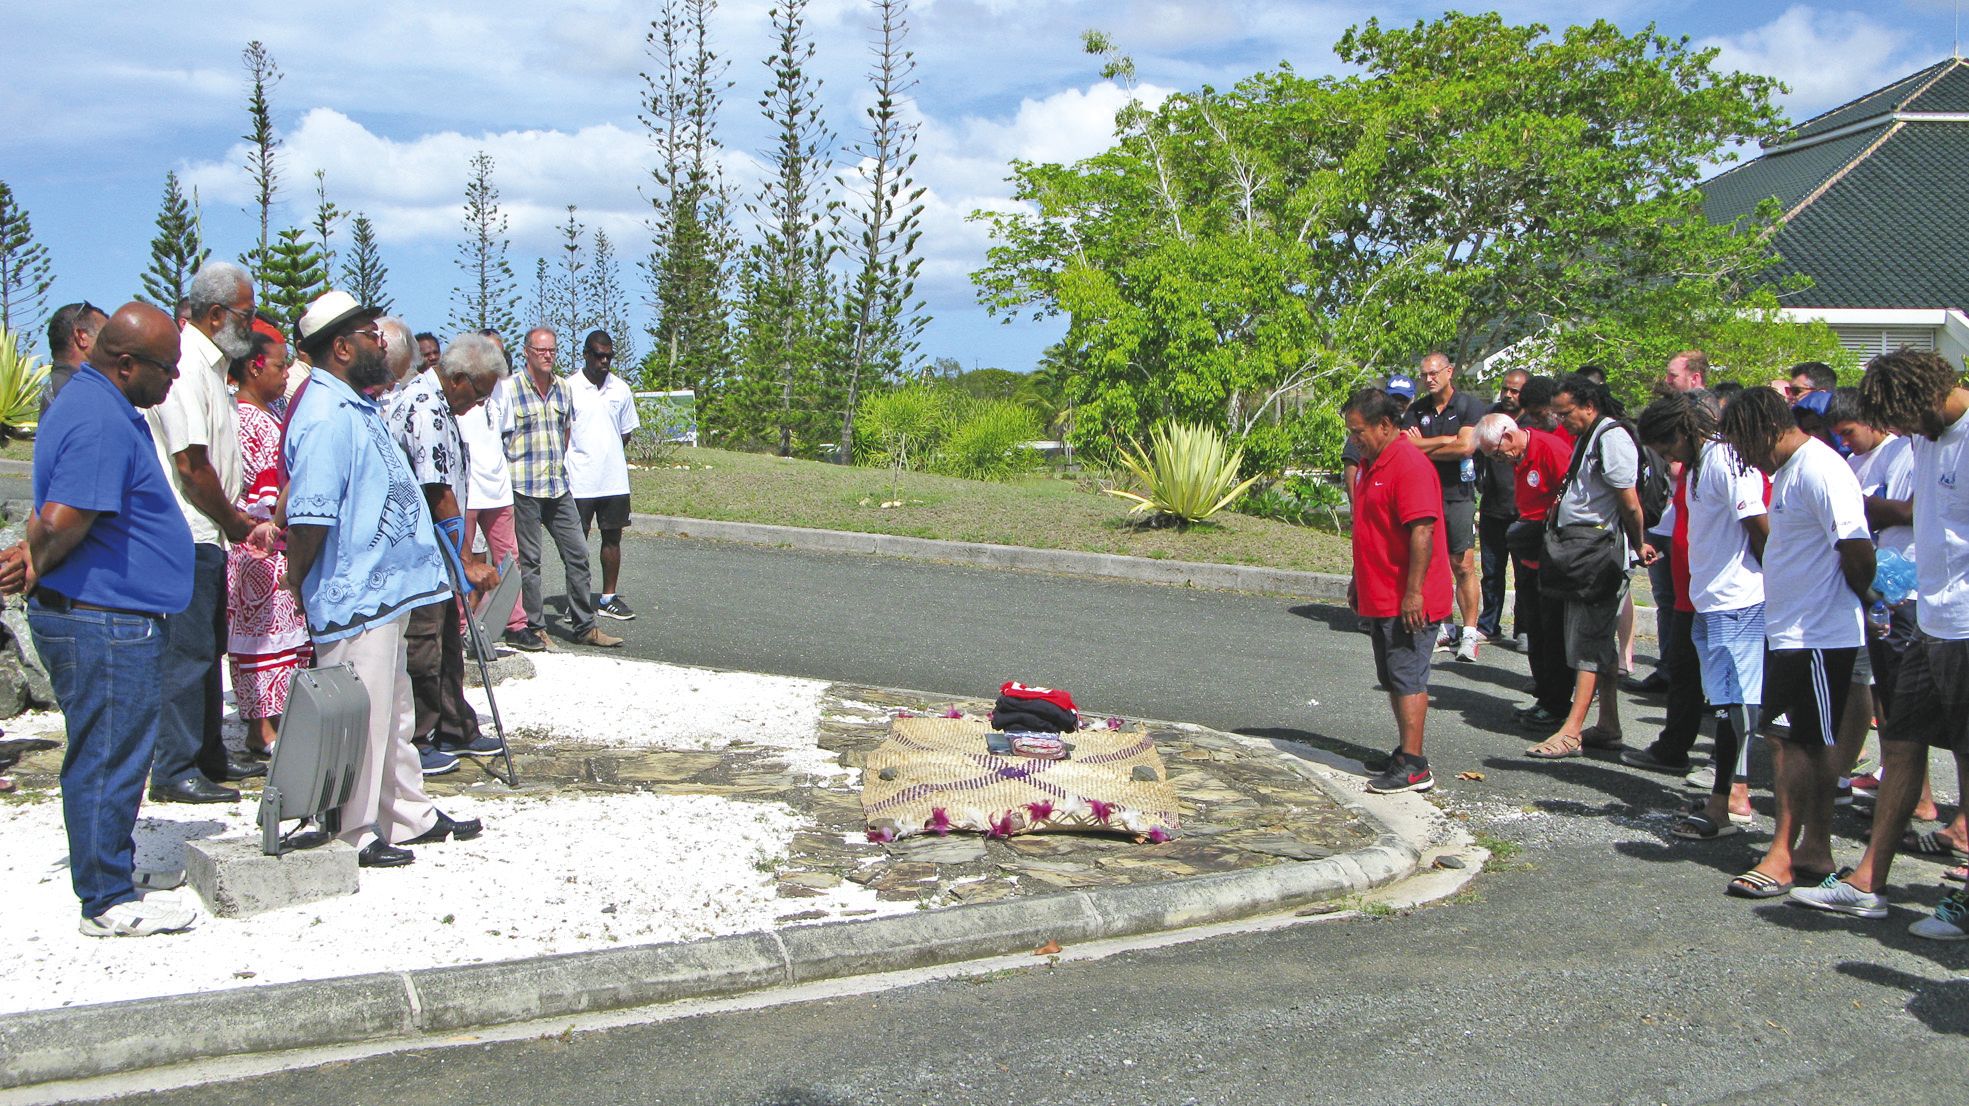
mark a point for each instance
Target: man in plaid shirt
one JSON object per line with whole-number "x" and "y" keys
{"x": 541, "y": 415}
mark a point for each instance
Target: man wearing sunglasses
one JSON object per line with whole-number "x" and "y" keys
{"x": 71, "y": 334}
{"x": 1808, "y": 378}
{"x": 597, "y": 466}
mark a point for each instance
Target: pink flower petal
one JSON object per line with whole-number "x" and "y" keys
{"x": 1102, "y": 811}
{"x": 1158, "y": 835}
{"x": 1040, "y": 811}
{"x": 939, "y": 822}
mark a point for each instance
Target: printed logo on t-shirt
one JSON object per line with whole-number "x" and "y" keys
{"x": 1948, "y": 480}
{"x": 1532, "y": 478}
{"x": 1739, "y": 504}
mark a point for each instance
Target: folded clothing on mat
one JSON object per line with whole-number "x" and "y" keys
{"x": 1032, "y": 716}
{"x": 1039, "y": 746}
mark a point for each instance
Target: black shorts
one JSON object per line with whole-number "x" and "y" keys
{"x": 1931, "y": 697}
{"x": 610, "y": 512}
{"x": 1460, "y": 525}
{"x": 1809, "y": 687}
{"x": 1401, "y": 658}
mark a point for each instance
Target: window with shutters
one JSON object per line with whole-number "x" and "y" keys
{"x": 1864, "y": 342}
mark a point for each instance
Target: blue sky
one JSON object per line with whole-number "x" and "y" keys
{"x": 392, "y": 100}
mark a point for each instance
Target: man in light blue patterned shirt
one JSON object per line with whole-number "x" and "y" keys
{"x": 541, "y": 417}
{"x": 361, "y": 556}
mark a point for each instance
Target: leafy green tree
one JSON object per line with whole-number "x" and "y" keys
{"x": 263, "y": 150}
{"x": 1241, "y": 255}
{"x": 294, "y": 276}
{"x": 363, "y": 273}
{"x": 487, "y": 298}
{"x": 178, "y": 250}
{"x": 25, "y": 272}
{"x": 688, "y": 273}
{"x": 878, "y": 228}
{"x": 787, "y": 298}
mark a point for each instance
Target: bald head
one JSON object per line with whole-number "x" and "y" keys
{"x": 138, "y": 350}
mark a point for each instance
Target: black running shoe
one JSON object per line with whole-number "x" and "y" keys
{"x": 1405, "y": 773}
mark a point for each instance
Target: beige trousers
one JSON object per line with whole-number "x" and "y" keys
{"x": 388, "y": 797}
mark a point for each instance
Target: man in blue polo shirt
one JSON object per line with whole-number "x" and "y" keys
{"x": 362, "y": 555}
{"x": 109, "y": 555}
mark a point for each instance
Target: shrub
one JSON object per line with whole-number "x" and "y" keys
{"x": 908, "y": 424}
{"x": 22, "y": 377}
{"x": 1189, "y": 475}
{"x": 989, "y": 443}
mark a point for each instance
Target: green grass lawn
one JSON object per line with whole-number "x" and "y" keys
{"x": 1044, "y": 512}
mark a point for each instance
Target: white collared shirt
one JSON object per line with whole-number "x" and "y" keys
{"x": 596, "y": 465}
{"x": 199, "y": 411}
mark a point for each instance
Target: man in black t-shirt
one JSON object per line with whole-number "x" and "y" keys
{"x": 1442, "y": 422}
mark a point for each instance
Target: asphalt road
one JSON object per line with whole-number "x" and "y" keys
{"x": 1600, "y": 963}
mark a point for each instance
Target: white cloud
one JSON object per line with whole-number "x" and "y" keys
{"x": 1825, "y": 57}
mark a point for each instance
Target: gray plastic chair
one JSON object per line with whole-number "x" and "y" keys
{"x": 316, "y": 757}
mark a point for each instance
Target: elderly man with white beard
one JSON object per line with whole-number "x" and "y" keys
{"x": 196, "y": 429}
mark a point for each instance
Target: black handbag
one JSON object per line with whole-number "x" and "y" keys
{"x": 1526, "y": 540}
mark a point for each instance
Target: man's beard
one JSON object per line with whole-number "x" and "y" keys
{"x": 235, "y": 339}
{"x": 369, "y": 369}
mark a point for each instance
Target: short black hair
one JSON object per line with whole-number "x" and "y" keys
{"x": 1726, "y": 391}
{"x": 1537, "y": 393}
{"x": 1592, "y": 372}
{"x": 67, "y": 319}
{"x": 1845, "y": 407}
{"x": 425, "y": 335}
{"x": 1819, "y": 373}
{"x": 595, "y": 336}
{"x": 1373, "y": 406}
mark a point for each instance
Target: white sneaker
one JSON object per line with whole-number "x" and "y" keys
{"x": 140, "y": 918}
{"x": 1445, "y": 638}
{"x": 1466, "y": 649}
{"x": 1702, "y": 779}
{"x": 1950, "y": 921}
{"x": 1840, "y": 897}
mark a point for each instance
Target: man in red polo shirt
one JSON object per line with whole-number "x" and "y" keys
{"x": 1401, "y": 581}
{"x": 1541, "y": 458}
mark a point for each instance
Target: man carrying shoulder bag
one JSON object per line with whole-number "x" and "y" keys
{"x": 1593, "y": 538}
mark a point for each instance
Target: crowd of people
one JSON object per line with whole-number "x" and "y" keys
{"x": 1758, "y": 514}
{"x": 201, "y": 492}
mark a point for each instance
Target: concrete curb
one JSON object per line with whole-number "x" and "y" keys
{"x": 1111, "y": 566}
{"x": 87, "y": 1041}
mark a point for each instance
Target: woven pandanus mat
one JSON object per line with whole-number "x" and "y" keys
{"x": 934, "y": 775}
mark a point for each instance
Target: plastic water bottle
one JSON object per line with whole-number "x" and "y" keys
{"x": 1879, "y": 618}
{"x": 1466, "y": 470}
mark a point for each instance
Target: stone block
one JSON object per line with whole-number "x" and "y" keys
{"x": 506, "y": 666}
{"x": 236, "y": 879}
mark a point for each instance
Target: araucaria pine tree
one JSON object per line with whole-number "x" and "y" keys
{"x": 543, "y": 295}
{"x": 177, "y": 252}
{"x": 294, "y": 276}
{"x": 688, "y": 271}
{"x": 25, "y": 272}
{"x": 326, "y": 215}
{"x": 879, "y": 227}
{"x": 486, "y": 298}
{"x": 363, "y": 272}
{"x": 783, "y": 395}
{"x": 570, "y": 316}
{"x": 263, "y": 150}
{"x": 608, "y": 307}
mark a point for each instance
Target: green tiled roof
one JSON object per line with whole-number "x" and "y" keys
{"x": 1878, "y": 217}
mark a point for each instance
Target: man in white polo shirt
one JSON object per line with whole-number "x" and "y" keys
{"x": 597, "y": 467}
{"x": 1919, "y": 394}
{"x": 1818, "y": 563}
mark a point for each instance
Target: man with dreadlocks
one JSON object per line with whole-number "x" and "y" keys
{"x": 1819, "y": 564}
{"x": 1718, "y": 524}
{"x": 1921, "y": 395}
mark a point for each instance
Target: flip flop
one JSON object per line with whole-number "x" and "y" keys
{"x": 1545, "y": 750}
{"x": 1756, "y": 885}
{"x": 1931, "y": 843}
{"x": 1593, "y": 737}
{"x": 1957, "y": 874}
{"x": 1698, "y": 827}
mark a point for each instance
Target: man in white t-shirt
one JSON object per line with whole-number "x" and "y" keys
{"x": 1721, "y": 523}
{"x": 597, "y": 467}
{"x": 1884, "y": 463}
{"x": 1920, "y": 395}
{"x": 489, "y": 496}
{"x": 1818, "y": 563}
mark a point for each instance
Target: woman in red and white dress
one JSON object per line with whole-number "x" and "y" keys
{"x": 267, "y": 637}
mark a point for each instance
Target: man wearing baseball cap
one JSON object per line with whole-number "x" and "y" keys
{"x": 362, "y": 555}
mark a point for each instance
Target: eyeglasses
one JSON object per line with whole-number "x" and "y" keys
{"x": 548, "y": 350}
{"x": 374, "y": 334}
{"x": 166, "y": 367}
{"x": 1795, "y": 392}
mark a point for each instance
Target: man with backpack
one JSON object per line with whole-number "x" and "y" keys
{"x": 1593, "y": 539}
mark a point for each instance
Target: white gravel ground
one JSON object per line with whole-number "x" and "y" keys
{"x": 551, "y": 875}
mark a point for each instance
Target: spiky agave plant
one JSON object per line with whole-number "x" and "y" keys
{"x": 22, "y": 377}
{"x": 1189, "y": 474}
